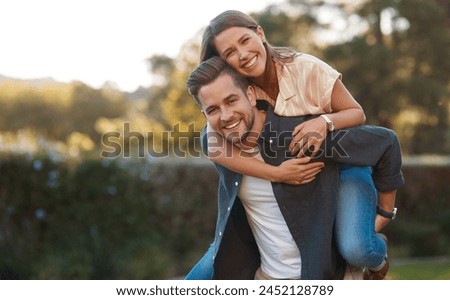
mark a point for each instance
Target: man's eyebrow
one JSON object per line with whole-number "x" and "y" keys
{"x": 209, "y": 108}
{"x": 226, "y": 99}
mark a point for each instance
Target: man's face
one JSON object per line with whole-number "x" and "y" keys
{"x": 228, "y": 109}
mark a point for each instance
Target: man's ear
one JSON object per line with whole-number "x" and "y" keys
{"x": 199, "y": 105}
{"x": 251, "y": 95}
{"x": 202, "y": 111}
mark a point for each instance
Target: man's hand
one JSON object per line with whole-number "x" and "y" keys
{"x": 298, "y": 171}
{"x": 380, "y": 222}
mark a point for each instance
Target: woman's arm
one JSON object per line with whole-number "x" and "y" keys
{"x": 346, "y": 113}
{"x": 292, "y": 171}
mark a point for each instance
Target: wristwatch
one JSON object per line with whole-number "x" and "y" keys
{"x": 330, "y": 124}
{"x": 386, "y": 214}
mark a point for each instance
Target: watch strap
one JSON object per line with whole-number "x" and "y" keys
{"x": 386, "y": 214}
{"x": 330, "y": 125}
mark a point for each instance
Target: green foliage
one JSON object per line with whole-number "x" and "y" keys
{"x": 101, "y": 219}
{"x": 87, "y": 106}
{"x": 56, "y": 111}
{"x": 297, "y": 31}
{"x": 396, "y": 67}
{"x": 403, "y": 70}
{"x": 175, "y": 108}
{"x": 394, "y": 57}
{"x": 25, "y": 107}
{"x": 423, "y": 222}
{"x": 121, "y": 219}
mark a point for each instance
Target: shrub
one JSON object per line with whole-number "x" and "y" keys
{"x": 119, "y": 219}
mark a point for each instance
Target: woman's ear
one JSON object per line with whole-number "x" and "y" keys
{"x": 260, "y": 33}
{"x": 251, "y": 95}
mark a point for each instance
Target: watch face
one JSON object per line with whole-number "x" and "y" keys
{"x": 394, "y": 213}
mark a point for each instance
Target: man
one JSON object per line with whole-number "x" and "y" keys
{"x": 282, "y": 228}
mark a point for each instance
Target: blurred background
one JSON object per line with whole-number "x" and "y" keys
{"x": 101, "y": 174}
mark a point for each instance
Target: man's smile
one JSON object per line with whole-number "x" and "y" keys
{"x": 233, "y": 125}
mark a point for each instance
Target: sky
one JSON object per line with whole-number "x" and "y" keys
{"x": 95, "y": 41}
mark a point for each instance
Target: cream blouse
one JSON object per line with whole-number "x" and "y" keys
{"x": 305, "y": 84}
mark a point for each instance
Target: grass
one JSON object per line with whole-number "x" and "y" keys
{"x": 435, "y": 269}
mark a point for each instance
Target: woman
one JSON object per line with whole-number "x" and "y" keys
{"x": 299, "y": 84}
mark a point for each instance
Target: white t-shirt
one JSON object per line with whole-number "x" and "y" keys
{"x": 280, "y": 256}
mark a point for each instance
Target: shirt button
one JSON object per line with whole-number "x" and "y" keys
{"x": 228, "y": 209}
{"x": 236, "y": 183}
{"x": 220, "y": 233}
{"x": 271, "y": 141}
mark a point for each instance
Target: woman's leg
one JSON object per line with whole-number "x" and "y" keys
{"x": 355, "y": 222}
{"x": 203, "y": 270}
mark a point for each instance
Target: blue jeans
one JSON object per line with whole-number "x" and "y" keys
{"x": 355, "y": 224}
{"x": 203, "y": 270}
{"x": 355, "y": 221}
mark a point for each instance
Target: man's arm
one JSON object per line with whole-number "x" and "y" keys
{"x": 386, "y": 201}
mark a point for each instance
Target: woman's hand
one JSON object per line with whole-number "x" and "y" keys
{"x": 298, "y": 171}
{"x": 308, "y": 137}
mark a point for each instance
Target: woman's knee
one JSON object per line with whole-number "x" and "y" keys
{"x": 356, "y": 254}
{"x": 356, "y": 181}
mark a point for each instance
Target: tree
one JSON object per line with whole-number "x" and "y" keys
{"x": 425, "y": 46}
{"x": 398, "y": 69}
{"x": 393, "y": 54}
{"x": 179, "y": 113}
{"x": 87, "y": 106}
{"x": 297, "y": 28}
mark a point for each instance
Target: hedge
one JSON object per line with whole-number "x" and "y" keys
{"x": 118, "y": 219}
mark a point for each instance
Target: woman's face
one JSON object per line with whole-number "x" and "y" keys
{"x": 243, "y": 49}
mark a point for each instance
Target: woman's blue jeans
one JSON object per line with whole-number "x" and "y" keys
{"x": 355, "y": 224}
{"x": 357, "y": 240}
{"x": 203, "y": 270}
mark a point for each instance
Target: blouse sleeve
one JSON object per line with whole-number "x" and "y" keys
{"x": 320, "y": 80}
